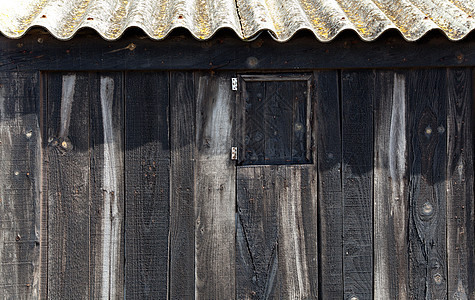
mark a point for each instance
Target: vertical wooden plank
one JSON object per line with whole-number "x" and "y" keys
{"x": 460, "y": 198}
{"x": 107, "y": 186}
{"x": 277, "y": 248}
{"x": 328, "y": 140}
{"x": 257, "y": 234}
{"x": 357, "y": 178}
{"x": 20, "y": 185}
{"x": 214, "y": 187}
{"x": 278, "y": 115}
{"x": 182, "y": 205}
{"x": 296, "y": 199}
{"x": 427, "y": 98}
{"x": 68, "y": 186}
{"x": 391, "y": 278}
{"x": 147, "y": 171}
{"x": 251, "y": 114}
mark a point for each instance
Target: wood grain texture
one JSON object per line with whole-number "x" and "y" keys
{"x": 20, "y": 185}
{"x": 427, "y": 97}
{"x": 391, "y": 207}
{"x": 273, "y": 112}
{"x": 357, "y": 181}
{"x": 277, "y": 253}
{"x": 460, "y": 197}
{"x": 328, "y": 152}
{"x": 107, "y": 186}
{"x": 180, "y": 51}
{"x": 214, "y": 187}
{"x": 68, "y": 186}
{"x": 147, "y": 183}
{"x": 182, "y": 176}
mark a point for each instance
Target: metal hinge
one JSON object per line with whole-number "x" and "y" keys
{"x": 234, "y": 84}
{"x": 234, "y": 153}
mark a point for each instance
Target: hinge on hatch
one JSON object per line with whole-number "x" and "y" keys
{"x": 234, "y": 153}
{"x": 234, "y": 84}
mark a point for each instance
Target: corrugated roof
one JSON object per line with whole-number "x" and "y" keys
{"x": 282, "y": 18}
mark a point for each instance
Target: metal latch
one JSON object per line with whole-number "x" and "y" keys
{"x": 234, "y": 84}
{"x": 234, "y": 153}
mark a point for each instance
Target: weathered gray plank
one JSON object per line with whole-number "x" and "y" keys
{"x": 391, "y": 280}
{"x": 426, "y": 93}
{"x": 328, "y": 147}
{"x": 107, "y": 186}
{"x": 147, "y": 171}
{"x": 357, "y": 181}
{"x": 182, "y": 176}
{"x": 298, "y": 252}
{"x": 20, "y": 185}
{"x": 277, "y": 255}
{"x": 460, "y": 197}
{"x": 214, "y": 187}
{"x": 68, "y": 171}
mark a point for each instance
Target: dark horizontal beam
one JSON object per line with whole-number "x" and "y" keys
{"x": 135, "y": 51}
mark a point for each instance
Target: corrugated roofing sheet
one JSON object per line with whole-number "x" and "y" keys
{"x": 282, "y": 18}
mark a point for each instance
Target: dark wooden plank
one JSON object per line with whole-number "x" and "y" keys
{"x": 214, "y": 187}
{"x": 20, "y": 185}
{"x": 274, "y": 116}
{"x": 251, "y": 116}
{"x": 147, "y": 166}
{"x": 427, "y": 97}
{"x": 182, "y": 201}
{"x": 357, "y": 181}
{"x": 257, "y": 234}
{"x": 135, "y": 51}
{"x": 391, "y": 278}
{"x": 68, "y": 186}
{"x": 278, "y": 116}
{"x": 460, "y": 198}
{"x": 107, "y": 186}
{"x": 277, "y": 255}
{"x": 328, "y": 141}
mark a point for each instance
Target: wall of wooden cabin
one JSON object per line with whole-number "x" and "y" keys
{"x": 120, "y": 184}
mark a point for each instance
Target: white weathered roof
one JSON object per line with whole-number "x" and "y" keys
{"x": 282, "y": 18}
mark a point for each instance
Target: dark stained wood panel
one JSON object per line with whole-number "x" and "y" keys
{"x": 68, "y": 177}
{"x": 214, "y": 187}
{"x": 277, "y": 253}
{"x": 182, "y": 179}
{"x": 147, "y": 183}
{"x": 106, "y": 186}
{"x": 274, "y": 117}
{"x": 20, "y": 180}
{"x": 135, "y": 51}
{"x": 330, "y": 212}
{"x": 391, "y": 189}
{"x": 427, "y": 97}
{"x": 460, "y": 197}
{"x": 357, "y": 182}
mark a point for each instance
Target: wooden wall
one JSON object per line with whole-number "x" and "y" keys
{"x": 120, "y": 184}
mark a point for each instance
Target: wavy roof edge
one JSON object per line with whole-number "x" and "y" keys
{"x": 282, "y": 19}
